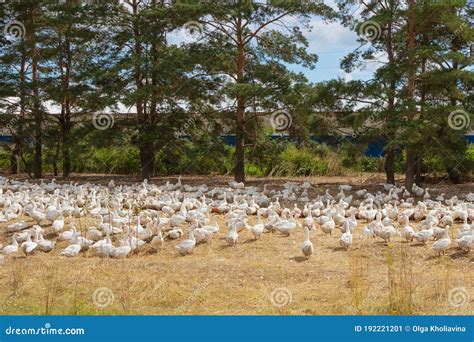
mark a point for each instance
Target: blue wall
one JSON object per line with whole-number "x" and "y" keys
{"x": 5, "y": 139}
{"x": 373, "y": 150}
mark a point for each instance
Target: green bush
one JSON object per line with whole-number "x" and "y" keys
{"x": 470, "y": 159}
{"x": 301, "y": 161}
{"x": 353, "y": 158}
{"x": 4, "y": 159}
{"x": 207, "y": 156}
{"x": 113, "y": 160}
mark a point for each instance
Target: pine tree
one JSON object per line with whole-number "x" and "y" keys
{"x": 248, "y": 44}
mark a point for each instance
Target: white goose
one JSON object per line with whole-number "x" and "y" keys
{"x": 328, "y": 226}
{"x": 175, "y": 233}
{"x": 407, "y": 231}
{"x": 309, "y": 221}
{"x": 178, "y": 219}
{"x": 214, "y": 228}
{"x": 94, "y": 234}
{"x": 53, "y": 213}
{"x": 346, "y": 239}
{"x": 187, "y": 246}
{"x": 232, "y": 236}
{"x": 103, "y": 248}
{"x": 201, "y": 235}
{"x": 28, "y": 246}
{"x": 12, "y": 228}
{"x": 11, "y": 249}
{"x": 157, "y": 241}
{"x": 68, "y": 234}
{"x": 71, "y": 250}
{"x": 286, "y": 226}
{"x": 123, "y": 251}
{"x": 465, "y": 242}
{"x": 58, "y": 225}
{"x": 424, "y": 235}
{"x": 257, "y": 230}
{"x": 443, "y": 244}
{"x": 43, "y": 244}
{"x": 307, "y": 246}
{"x": 81, "y": 241}
{"x": 386, "y": 232}
{"x": 36, "y": 215}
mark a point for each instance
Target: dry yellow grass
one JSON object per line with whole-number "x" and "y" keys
{"x": 370, "y": 278}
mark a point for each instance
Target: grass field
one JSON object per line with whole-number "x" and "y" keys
{"x": 261, "y": 277}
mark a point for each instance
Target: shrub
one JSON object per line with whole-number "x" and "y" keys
{"x": 301, "y": 161}
{"x": 4, "y": 159}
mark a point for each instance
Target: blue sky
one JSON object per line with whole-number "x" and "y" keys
{"x": 331, "y": 42}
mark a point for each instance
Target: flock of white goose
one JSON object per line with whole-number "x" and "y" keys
{"x": 128, "y": 217}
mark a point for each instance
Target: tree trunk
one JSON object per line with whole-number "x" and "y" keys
{"x": 65, "y": 152}
{"x": 66, "y": 127}
{"x": 18, "y": 136}
{"x": 147, "y": 161}
{"x": 419, "y": 171}
{"x": 239, "y": 171}
{"x": 390, "y": 153}
{"x": 410, "y": 169}
{"x": 14, "y": 158}
{"x": 37, "y": 114}
{"x": 55, "y": 160}
{"x": 146, "y": 151}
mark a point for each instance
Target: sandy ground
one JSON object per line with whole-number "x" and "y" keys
{"x": 262, "y": 277}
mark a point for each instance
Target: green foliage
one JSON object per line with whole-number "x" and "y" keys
{"x": 115, "y": 160}
{"x": 4, "y": 158}
{"x": 200, "y": 156}
{"x": 300, "y": 162}
{"x": 470, "y": 158}
{"x": 207, "y": 156}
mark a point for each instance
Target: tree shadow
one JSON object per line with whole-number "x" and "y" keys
{"x": 299, "y": 259}
{"x": 418, "y": 244}
{"x": 50, "y": 235}
{"x": 433, "y": 257}
{"x": 459, "y": 254}
{"x": 226, "y": 246}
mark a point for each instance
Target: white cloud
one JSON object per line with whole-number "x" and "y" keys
{"x": 330, "y": 37}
